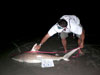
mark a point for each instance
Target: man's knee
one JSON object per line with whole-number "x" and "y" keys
{"x": 63, "y": 39}
{"x": 63, "y": 35}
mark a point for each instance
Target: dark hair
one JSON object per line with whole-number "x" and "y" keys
{"x": 62, "y": 22}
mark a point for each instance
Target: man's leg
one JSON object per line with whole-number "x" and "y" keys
{"x": 79, "y": 42}
{"x": 63, "y": 40}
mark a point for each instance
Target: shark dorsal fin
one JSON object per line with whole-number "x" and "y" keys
{"x": 33, "y": 48}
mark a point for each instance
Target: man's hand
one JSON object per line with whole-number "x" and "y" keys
{"x": 81, "y": 45}
{"x": 45, "y": 38}
{"x": 37, "y": 47}
{"x": 65, "y": 51}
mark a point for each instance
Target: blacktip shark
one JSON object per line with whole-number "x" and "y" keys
{"x": 37, "y": 57}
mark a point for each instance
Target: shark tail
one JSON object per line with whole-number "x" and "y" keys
{"x": 67, "y": 55}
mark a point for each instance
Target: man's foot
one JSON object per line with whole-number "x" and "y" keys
{"x": 65, "y": 51}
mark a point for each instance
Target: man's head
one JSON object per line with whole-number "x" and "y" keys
{"x": 62, "y": 23}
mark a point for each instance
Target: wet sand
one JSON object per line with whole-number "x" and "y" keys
{"x": 88, "y": 64}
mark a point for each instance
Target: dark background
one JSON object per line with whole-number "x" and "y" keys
{"x": 29, "y": 20}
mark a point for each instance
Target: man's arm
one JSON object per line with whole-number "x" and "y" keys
{"x": 45, "y": 38}
{"x": 51, "y": 32}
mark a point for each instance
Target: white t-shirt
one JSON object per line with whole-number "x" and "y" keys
{"x": 73, "y": 26}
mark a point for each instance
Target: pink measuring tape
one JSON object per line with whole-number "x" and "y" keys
{"x": 51, "y": 52}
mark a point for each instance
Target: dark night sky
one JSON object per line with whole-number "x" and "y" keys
{"x": 29, "y": 20}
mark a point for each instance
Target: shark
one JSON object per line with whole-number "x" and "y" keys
{"x": 36, "y": 57}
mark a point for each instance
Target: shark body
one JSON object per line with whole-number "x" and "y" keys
{"x": 37, "y": 57}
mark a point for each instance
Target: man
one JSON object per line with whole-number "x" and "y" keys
{"x": 66, "y": 24}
